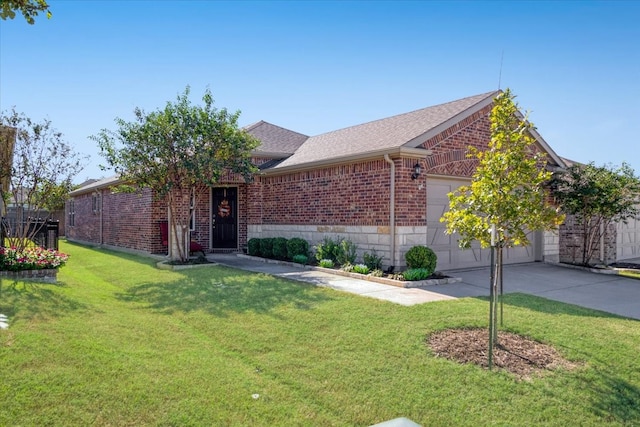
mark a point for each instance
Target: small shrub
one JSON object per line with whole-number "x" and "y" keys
{"x": 301, "y": 259}
{"x": 266, "y": 247}
{"x": 414, "y": 274}
{"x": 347, "y": 252}
{"x": 297, "y": 246}
{"x": 326, "y": 263}
{"x": 253, "y": 246}
{"x": 372, "y": 260}
{"x": 327, "y": 249}
{"x": 361, "y": 268}
{"x": 280, "y": 248}
{"x": 421, "y": 257}
{"x": 377, "y": 273}
{"x": 348, "y": 267}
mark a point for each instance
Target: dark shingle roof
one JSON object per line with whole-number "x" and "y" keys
{"x": 408, "y": 129}
{"x": 275, "y": 140}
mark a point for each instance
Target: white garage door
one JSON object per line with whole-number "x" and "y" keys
{"x": 450, "y": 256}
{"x": 628, "y": 240}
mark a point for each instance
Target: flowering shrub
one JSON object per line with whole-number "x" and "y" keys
{"x": 34, "y": 258}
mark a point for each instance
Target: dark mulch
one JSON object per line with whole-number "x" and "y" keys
{"x": 191, "y": 261}
{"x": 514, "y": 353}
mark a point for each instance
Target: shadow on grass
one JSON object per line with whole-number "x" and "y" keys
{"x": 34, "y": 300}
{"x": 615, "y": 399}
{"x": 544, "y": 305}
{"x": 144, "y": 259}
{"x": 224, "y": 290}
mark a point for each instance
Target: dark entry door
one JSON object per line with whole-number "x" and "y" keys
{"x": 224, "y": 218}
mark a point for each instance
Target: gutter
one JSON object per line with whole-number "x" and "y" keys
{"x": 415, "y": 153}
{"x": 392, "y": 209}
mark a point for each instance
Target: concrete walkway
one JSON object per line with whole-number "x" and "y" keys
{"x": 610, "y": 293}
{"x": 365, "y": 288}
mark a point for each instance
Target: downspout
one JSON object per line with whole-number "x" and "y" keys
{"x": 101, "y": 218}
{"x": 602, "y": 251}
{"x": 392, "y": 209}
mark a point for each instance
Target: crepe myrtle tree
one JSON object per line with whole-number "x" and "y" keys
{"x": 37, "y": 176}
{"x": 28, "y": 8}
{"x": 508, "y": 193}
{"x": 598, "y": 197}
{"x": 174, "y": 149}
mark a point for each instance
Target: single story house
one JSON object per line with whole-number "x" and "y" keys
{"x": 382, "y": 184}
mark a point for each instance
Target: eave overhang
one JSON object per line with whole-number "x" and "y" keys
{"x": 406, "y": 152}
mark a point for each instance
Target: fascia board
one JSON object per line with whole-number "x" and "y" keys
{"x": 98, "y": 185}
{"x": 421, "y": 139}
{"x": 395, "y": 152}
{"x": 543, "y": 144}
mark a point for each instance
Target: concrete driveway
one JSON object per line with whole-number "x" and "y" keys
{"x": 610, "y": 293}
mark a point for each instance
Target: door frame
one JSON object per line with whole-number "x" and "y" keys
{"x": 212, "y": 214}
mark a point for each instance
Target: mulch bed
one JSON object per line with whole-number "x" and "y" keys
{"x": 514, "y": 353}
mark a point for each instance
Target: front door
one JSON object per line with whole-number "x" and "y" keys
{"x": 224, "y": 219}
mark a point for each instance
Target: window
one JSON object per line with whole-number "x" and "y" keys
{"x": 192, "y": 211}
{"x": 71, "y": 212}
{"x": 95, "y": 203}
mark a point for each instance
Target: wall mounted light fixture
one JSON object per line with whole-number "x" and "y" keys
{"x": 416, "y": 171}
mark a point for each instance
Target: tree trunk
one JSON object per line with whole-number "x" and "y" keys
{"x": 179, "y": 239}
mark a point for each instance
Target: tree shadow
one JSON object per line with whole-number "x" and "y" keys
{"x": 615, "y": 399}
{"x": 548, "y": 306}
{"x": 233, "y": 291}
{"x": 34, "y": 300}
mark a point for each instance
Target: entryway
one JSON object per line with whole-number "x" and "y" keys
{"x": 224, "y": 218}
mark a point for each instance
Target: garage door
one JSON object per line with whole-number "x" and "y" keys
{"x": 450, "y": 256}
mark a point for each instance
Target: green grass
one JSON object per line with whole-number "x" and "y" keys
{"x": 119, "y": 342}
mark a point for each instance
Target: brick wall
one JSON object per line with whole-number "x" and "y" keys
{"x": 132, "y": 220}
{"x": 128, "y": 220}
{"x": 350, "y": 194}
{"x": 450, "y": 147}
{"x": 571, "y": 240}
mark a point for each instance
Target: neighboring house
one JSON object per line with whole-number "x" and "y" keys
{"x": 618, "y": 243}
{"x": 382, "y": 184}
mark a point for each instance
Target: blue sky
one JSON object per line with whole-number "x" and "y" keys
{"x": 318, "y": 66}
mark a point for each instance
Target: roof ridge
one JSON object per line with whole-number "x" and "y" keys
{"x": 481, "y": 96}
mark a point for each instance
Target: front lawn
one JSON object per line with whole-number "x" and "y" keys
{"x": 119, "y": 342}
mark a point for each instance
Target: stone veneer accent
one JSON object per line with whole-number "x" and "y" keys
{"x": 366, "y": 237}
{"x": 551, "y": 246}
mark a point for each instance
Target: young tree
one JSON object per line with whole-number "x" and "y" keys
{"x": 173, "y": 150}
{"x": 598, "y": 197}
{"x": 42, "y": 161}
{"x": 507, "y": 192}
{"x": 28, "y": 8}
{"x": 7, "y": 144}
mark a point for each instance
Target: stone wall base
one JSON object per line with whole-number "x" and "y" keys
{"x": 45, "y": 275}
{"x": 367, "y": 238}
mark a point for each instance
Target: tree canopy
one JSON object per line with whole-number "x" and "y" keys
{"x": 29, "y": 9}
{"x": 174, "y": 149}
{"x": 40, "y": 173}
{"x": 598, "y": 197}
{"x": 508, "y": 188}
